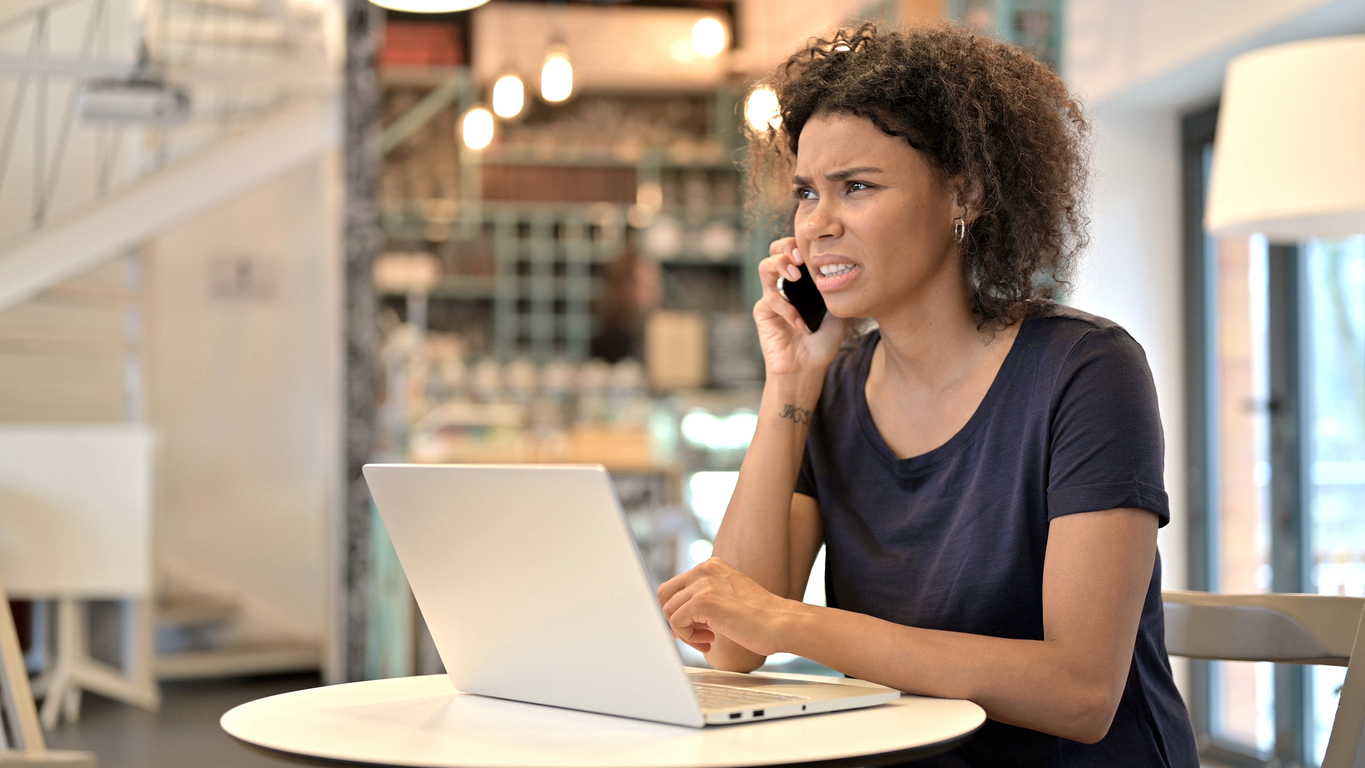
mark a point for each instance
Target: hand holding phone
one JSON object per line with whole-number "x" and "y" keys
{"x": 803, "y": 295}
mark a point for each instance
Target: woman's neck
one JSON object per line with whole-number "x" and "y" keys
{"x": 933, "y": 344}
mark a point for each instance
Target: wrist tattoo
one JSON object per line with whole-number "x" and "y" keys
{"x": 798, "y": 415}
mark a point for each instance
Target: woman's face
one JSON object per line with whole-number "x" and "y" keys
{"x": 874, "y": 223}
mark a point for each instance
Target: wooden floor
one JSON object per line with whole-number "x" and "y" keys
{"x": 183, "y": 734}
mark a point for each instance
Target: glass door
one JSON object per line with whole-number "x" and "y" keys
{"x": 1276, "y": 409}
{"x": 1334, "y": 371}
{"x": 1242, "y": 703}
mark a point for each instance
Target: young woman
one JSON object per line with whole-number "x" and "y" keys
{"x": 984, "y": 468}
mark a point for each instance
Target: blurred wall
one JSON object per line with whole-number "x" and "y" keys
{"x": 1132, "y": 274}
{"x": 772, "y": 30}
{"x": 64, "y": 355}
{"x": 1164, "y": 53}
{"x": 244, "y": 380}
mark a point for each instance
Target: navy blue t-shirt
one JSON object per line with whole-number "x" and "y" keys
{"x": 954, "y": 539}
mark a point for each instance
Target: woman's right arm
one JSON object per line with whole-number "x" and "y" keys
{"x": 769, "y": 533}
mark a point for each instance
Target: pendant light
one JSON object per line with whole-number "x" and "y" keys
{"x": 556, "y": 75}
{"x": 476, "y": 128}
{"x": 509, "y": 96}
{"x": 708, "y": 37}
{"x": 429, "y": 6}
{"x": 762, "y": 111}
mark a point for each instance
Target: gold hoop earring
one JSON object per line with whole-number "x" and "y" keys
{"x": 959, "y": 229}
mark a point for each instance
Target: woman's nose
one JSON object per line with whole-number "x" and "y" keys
{"x": 823, "y": 222}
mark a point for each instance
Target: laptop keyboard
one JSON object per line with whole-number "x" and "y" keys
{"x": 724, "y": 696}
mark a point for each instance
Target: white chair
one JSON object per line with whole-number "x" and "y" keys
{"x": 75, "y": 526}
{"x": 21, "y": 744}
{"x": 1283, "y": 628}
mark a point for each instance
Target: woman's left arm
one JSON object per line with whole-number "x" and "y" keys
{"x": 1095, "y": 579}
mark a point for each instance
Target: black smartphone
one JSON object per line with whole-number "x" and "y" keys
{"x": 803, "y": 295}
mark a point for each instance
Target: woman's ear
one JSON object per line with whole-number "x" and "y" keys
{"x": 969, "y": 198}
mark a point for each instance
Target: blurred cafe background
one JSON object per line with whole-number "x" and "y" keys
{"x": 247, "y": 246}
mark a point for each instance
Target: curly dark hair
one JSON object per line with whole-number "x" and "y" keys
{"x": 989, "y": 117}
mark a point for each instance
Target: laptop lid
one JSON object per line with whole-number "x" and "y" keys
{"x": 532, "y": 587}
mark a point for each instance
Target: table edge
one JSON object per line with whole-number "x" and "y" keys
{"x": 856, "y": 761}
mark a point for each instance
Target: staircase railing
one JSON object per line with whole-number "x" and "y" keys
{"x": 237, "y": 61}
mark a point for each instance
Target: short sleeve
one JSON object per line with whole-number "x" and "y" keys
{"x": 1107, "y": 447}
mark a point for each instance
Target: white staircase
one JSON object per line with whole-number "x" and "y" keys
{"x": 76, "y": 190}
{"x": 196, "y": 638}
{"x": 113, "y": 223}
{"x": 80, "y": 197}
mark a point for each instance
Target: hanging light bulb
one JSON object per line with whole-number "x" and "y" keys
{"x": 477, "y": 128}
{"x": 556, "y": 76}
{"x": 708, "y": 37}
{"x": 509, "y": 96}
{"x": 429, "y": 6}
{"x": 762, "y": 110}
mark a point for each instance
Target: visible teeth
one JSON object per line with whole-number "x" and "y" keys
{"x": 831, "y": 270}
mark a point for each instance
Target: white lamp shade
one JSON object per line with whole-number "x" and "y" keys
{"x": 1289, "y": 157}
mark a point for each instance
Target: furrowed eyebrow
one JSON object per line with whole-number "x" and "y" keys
{"x": 849, "y": 173}
{"x": 843, "y": 175}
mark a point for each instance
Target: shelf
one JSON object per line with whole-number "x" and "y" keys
{"x": 416, "y": 75}
{"x": 548, "y": 255}
{"x": 490, "y": 210}
{"x": 733, "y": 261}
{"x": 485, "y": 288}
{"x": 472, "y": 287}
{"x": 702, "y": 158}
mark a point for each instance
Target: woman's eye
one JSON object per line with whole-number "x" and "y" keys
{"x": 804, "y": 193}
{"x": 858, "y": 186}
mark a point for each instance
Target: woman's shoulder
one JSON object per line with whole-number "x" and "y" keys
{"x": 1061, "y": 318}
{"x": 1070, "y": 346}
{"x": 1069, "y": 332}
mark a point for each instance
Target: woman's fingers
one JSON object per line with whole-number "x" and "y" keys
{"x": 782, "y": 261}
{"x": 773, "y": 267}
{"x": 669, "y": 589}
{"x": 702, "y": 634}
{"x": 782, "y": 245}
{"x": 690, "y": 629}
{"x": 779, "y": 306}
{"x": 695, "y": 634}
{"x": 786, "y": 246}
{"x": 720, "y": 600}
{"x": 674, "y": 597}
{"x": 686, "y": 607}
{"x": 769, "y": 270}
{"x": 674, "y": 603}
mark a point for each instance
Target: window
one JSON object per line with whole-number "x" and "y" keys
{"x": 1276, "y": 385}
{"x": 1334, "y": 437}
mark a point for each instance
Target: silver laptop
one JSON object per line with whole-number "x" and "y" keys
{"x": 530, "y": 582}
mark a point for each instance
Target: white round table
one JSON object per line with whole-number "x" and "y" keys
{"x": 424, "y": 721}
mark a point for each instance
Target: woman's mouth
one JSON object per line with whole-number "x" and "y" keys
{"x": 832, "y": 277}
